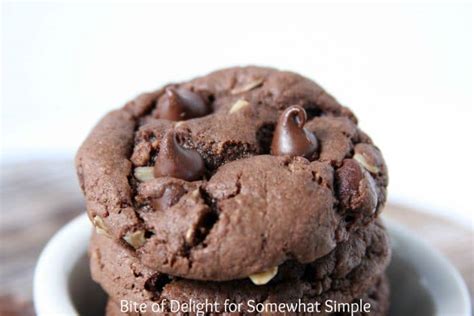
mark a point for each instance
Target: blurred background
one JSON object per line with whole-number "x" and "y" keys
{"x": 405, "y": 69}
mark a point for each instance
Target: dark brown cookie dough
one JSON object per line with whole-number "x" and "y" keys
{"x": 347, "y": 272}
{"x": 250, "y": 211}
{"x": 378, "y": 296}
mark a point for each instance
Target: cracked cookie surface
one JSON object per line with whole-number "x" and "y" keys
{"x": 250, "y": 211}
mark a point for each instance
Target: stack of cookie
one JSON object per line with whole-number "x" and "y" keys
{"x": 246, "y": 191}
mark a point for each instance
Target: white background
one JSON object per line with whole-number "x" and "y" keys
{"x": 406, "y": 71}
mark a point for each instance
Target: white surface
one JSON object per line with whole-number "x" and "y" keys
{"x": 428, "y": 269}
{"x": 405, "y": 69}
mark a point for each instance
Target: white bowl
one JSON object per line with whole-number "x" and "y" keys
{"x": 423, "y": 282}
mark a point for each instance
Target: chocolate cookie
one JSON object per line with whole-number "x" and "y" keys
{"x": 377, "y": 296}
{"x": 231, "y": 174}
{"x": 347, "y": 272}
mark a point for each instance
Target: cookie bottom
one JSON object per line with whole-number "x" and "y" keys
{"x": 378, "y": 297}
{"x": 348, "y": 272}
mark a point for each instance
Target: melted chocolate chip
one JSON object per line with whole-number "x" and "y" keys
{"x": 169, "y": 196}
{"x": 355, "y": 188}
{"x": 290, "y": 137}
{"x": 181, "y": 104}
{"x": 175, "y": 161}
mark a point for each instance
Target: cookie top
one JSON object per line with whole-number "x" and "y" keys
{"x": 231, "y": 174}
{"x": 346, "y": 273}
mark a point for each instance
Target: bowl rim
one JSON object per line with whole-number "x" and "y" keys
{"x": 56, "y": 262}
{"x": 51, "y": 293}
{"x": 420, "y": 252}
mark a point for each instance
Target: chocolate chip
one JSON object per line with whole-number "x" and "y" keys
{"x": 173, "y": 160}
{"x": 169, "y": 196}
{"x": 181, "y": 104}
{"x": 290, "y": 137}
{"x": 355, "y": 188}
